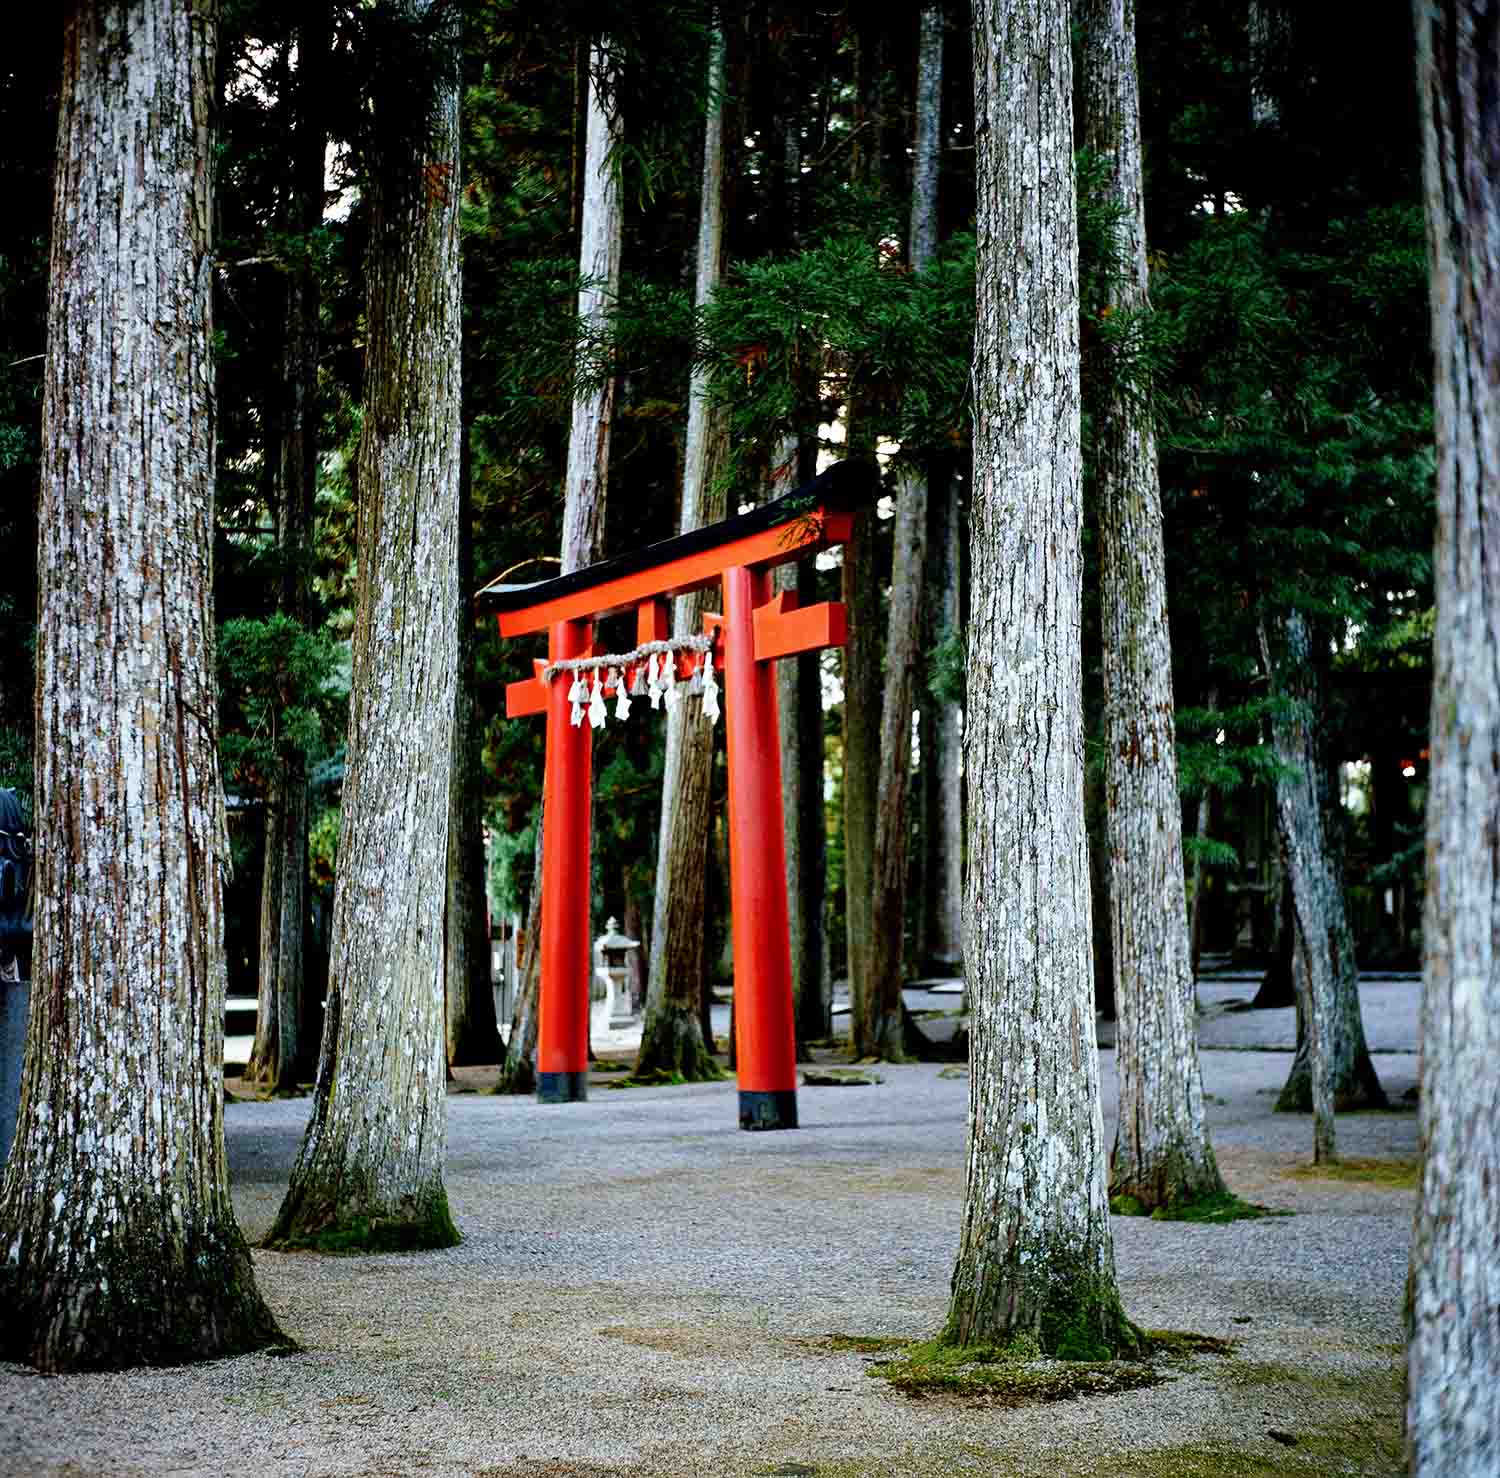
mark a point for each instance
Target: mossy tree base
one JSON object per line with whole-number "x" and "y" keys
{"x": 1358, "y": 1088}
{"x": 136, "y": 1302}
{"x": 518, "y": 1077}
{"x": 1064, "y": 1314}
{"x": 310, "y": 1222}
{"x": 1217, "y": 1209}
{"x": 1175, "y": 1179}
{"x": 1018, "y": 1374}
{"x": 673, "y": 1050}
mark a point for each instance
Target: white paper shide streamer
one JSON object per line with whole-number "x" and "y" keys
{"x": 650, "y": 670}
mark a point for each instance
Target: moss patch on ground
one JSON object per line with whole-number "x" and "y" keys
{"x": 1216, "y": 1210}
{"x": 839, "y": 1077}
{"x": 1395, "y": 1175}
{"x": 1017, "y": 1374}
{"x": 861, "y": 1344}
{"x": 1009, "y": 1376}
{"x": 648, "y": 1080}
{"x": 1184, "y": 1343}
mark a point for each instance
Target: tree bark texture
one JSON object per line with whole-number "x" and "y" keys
{"x": 671, "y": 1036}
{"x": 1328, "y": 1008}
{"x": 585, "y": 487}
{"x": 880, "y": 1033}
{"x": 118, "y": 1240}
{"x": 472, "y": 1033}
{"x": 1036, "y": 1255}
{"x": 369, "y": 1171}
{"x": 599, "y": 267}
{"x": 800, "y": 710}
{"x": 861, "y": 592}
{"x": 940, "y": 918}
{"x": 1161, "y": 1153}
{"x": 280, "y": 1054}
{"x": 927, "y": 151}
{"x": 518, "y": 1065}
{"x": 942, "y": 746}
{"x": 1453, "y": 1417}
{"x": 862, "y": 706}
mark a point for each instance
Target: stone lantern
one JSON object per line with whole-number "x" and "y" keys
{"x": 612, "y": 970}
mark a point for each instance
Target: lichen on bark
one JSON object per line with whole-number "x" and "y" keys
{"x": 1161, "y": 1151}
{"x": 1036, "y": 1254}
{"x": 374, "y": 1146}
{"x": 118, "y": 1240}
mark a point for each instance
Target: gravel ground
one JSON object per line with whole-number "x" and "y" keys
{"x": 643, "y": 1289}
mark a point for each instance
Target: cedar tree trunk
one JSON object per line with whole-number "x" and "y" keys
{"x": 1328, "y": 1009}
{"x": 472, "y": 1033}
{"x": 1036, "y": 1254}
{"x": 585, "y": 489}
{"x": 671, "y": 1036}
{"x": 280, "y": 1054}
{"x": 370, "y": 1169}
{"x": 118, "y": 1240}
{"x": 1161, "y": 1156}
{"x": 1453, "y": 1416}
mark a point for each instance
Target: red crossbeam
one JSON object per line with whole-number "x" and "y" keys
{"x": 819, "y": 528}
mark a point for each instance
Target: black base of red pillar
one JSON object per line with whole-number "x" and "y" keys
{"x": 768, "y": 1110}
{"x": 562, "y": 1087}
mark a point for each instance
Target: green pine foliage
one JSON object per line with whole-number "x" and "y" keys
{"x": 281, "y": 688}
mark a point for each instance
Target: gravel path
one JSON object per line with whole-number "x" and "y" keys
{"x": 643, "y": 1289}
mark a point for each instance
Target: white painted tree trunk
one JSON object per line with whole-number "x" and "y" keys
{"x": 370, "y": 1169}
{"x": 118, "y": 1241}
{"x": 1453, "y": 1414}
{"x": 1161, "y": 1153}
{"x": 1036, "y": 1253}
{"x": 671, "y": 1036}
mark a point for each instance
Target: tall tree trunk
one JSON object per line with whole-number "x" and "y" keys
{"x": 1328, "y": 1010}
{"x": 881, "y": 1031}
{"x": 370, "y": 1169}
{"x": 1453, "y": 1417}
{"x": 281, "y": 1054}
{"x": 1036, "y": 1255}
{"x": 586, "y": 484}
{"x": 861, "y": 591}
{"x": 800, "y": 708}
{"x": 118, "y": 1240}
{"x": 472, "y": 1033}
{"x": 1161, "y": 1155}
{"x": 600, "y": 237}
{"x": 672, "y": 1038}
{"x": 518, "y": 1065}
{"x": 942, "y": 745}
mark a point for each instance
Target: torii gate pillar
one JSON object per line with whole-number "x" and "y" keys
{"x": 765, "y": 1036}
{"x": 756, "y": 630}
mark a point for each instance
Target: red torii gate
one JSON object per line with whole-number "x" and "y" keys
{"x": 755, "y": 630}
